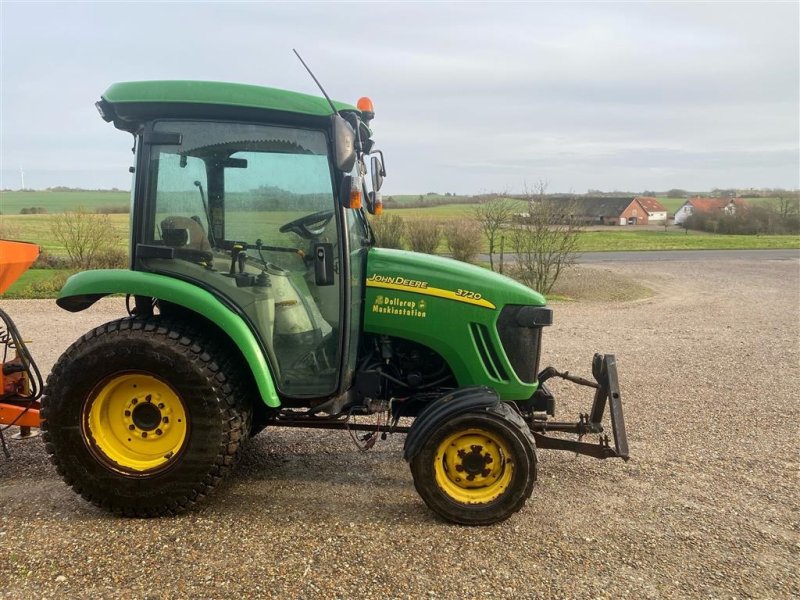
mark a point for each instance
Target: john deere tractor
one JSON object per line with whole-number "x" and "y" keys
{"x": 257, "y": 298}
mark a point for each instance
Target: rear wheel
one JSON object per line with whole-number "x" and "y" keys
{"x": 143, "y": 416}
{"x": 476, "y": 469}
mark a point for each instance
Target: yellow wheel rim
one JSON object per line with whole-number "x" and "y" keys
{"x": 135, "y": 423}
{"x": 473, "y": 466}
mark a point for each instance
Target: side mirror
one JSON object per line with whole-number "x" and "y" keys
{"x": 378, "y": 173}
{"x": 344, "y": 138}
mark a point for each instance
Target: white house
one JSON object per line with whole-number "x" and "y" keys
{"x": 728, "y": 206}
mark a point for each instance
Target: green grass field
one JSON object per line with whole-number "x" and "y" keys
{"x": 57, "y": 202}
{"x": 37, "y": 283}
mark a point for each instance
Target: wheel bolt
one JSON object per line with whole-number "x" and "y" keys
{"x": 159, "y": 432}
{"x": 148, "y": 398}
{"x": 131, "y": 427}
{"x": 127, "y": 413}
{"x": 134, "y": 401}
{"x": 144, "y": 434}
{"x": 165, "y": 420}
{"x": 161, "y": 405}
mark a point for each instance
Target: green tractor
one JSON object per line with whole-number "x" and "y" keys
{"x": 257, "y": 298}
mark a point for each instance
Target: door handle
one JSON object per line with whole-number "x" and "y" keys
{"x": 323, "y": 263}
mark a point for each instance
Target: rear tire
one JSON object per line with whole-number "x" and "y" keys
{"x": 477, "y": 468}
{"x": 143, "y": 416}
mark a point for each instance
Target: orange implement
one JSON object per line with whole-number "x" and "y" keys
{"x": 15, "y": 258}
{"x": 20, "y": 415}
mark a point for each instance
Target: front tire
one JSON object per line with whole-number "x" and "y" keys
{"x": 143, "y": 417}
{"x": 477, "y": 468}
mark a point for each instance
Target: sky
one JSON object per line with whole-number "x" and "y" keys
{"x": 469, "y": 97}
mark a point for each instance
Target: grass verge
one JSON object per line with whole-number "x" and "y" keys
{"x": 37, "y": 283}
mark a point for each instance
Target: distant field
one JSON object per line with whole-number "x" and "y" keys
{"x": 406, "y": 198}
{"x": 36, "y": 229}
{"x": 444, "y": 212}
{"x": 671, "y": 204}
{"x": 11, "y": 203}
{"x": 58, "y": 202}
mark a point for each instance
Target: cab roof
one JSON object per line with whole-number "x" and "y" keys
{"x": 122, "y": 96}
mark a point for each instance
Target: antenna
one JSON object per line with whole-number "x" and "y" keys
{"x": 319, "y": 85}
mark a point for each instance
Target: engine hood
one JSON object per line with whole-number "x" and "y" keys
{"x": 445, "y": 278}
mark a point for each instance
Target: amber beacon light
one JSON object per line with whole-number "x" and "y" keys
{"x": 364, "y": 104}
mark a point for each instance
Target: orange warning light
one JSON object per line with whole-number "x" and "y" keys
{"x": 364, "y": 104}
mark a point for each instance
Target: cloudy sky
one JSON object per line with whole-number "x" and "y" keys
{"x": 469, "y": 97}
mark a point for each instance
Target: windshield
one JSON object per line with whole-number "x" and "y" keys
{"x": 235, "y": 180}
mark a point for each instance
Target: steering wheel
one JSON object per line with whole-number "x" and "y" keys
{"x": 309, "y": 226}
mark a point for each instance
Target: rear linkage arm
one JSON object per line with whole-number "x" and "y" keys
{"x": 606, "y": 386}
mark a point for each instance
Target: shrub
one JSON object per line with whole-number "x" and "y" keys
{"x": 33, "y": 210}
{"x": 44, "y": 288}
{"x": 751, "y": 221}
{"x": 50, "y": 261}
{"x": 388, "y": 230}
{"x": 85, "y": 236}
{"x": 111, "y": 258}
{"x": 424, "y": 236}
{"x": 463, "y": 239}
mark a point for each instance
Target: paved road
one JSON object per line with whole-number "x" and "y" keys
{"x": 662, "y": 255}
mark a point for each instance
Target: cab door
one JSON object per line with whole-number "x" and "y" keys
{"x": 246, "y": 208}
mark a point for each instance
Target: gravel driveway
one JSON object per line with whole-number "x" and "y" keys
{"x": 708, "y": 506}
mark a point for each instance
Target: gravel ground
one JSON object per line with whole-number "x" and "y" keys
{"x": 707, "y": 507}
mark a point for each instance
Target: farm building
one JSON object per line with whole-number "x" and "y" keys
{"x": 656, "y": 213}
{"x": 727, "y": 206}
{"x": 625, "y": 210}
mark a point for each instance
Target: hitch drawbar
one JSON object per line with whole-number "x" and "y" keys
{"x": 606, "y": 386}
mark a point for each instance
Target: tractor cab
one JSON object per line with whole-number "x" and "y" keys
{"x": 258, "y": 205}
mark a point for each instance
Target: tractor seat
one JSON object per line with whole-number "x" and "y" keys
{"x": 188, "y": 237}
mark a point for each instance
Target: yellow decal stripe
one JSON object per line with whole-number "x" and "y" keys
{"x": 429, "y": 291}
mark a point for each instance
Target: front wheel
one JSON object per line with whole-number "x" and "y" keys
{"x": 143, "y": 417}
{"x": 476, "y": 469}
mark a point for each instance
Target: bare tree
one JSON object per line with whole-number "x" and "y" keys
{"x": 788, "y": 204}
{"x": 546, "y": 244}
{"x": 537, "y": 194}
{"x": 85, "y": 236}
{"x": 493, "y": 215}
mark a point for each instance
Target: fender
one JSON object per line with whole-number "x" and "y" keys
{"x": 85, "y": 288}
{"x": 468, "y": 399}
